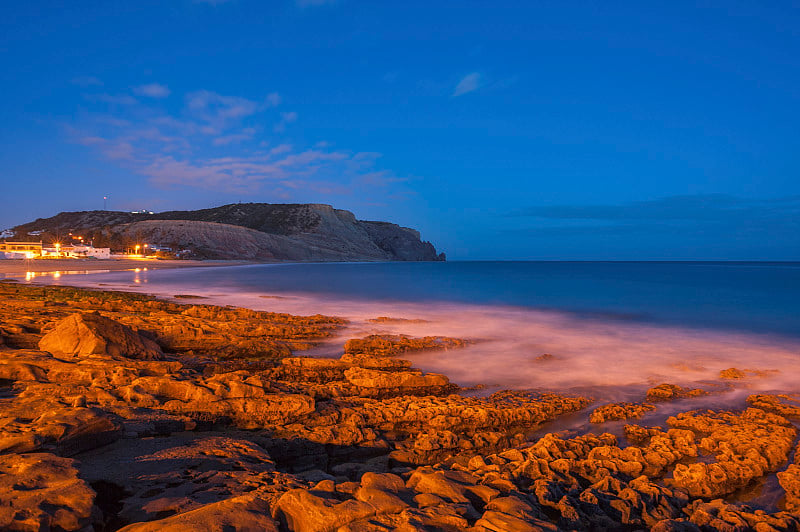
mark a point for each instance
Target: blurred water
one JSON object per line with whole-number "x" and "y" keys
{"x": 613, "y": 329}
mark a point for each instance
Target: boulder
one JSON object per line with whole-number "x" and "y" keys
{"x": 303, "y": 511}
{"x": 82, "y": 335}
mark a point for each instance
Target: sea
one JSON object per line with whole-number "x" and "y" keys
{"x": 609, "y": 329}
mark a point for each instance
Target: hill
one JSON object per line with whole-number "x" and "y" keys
{"x": 255, "y": 231}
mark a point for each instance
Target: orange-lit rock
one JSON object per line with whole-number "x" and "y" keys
{"x": 232, "y": 428}
{"x": 246, "y": 513}
{"x": 392, "y": 345}
{"x": 669, "y": 392}
{"x": 88, "y": 334}
{"x": 617, "y": 411}
{"x": 41, "y": 491}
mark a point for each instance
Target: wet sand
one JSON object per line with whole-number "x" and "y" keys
{"x": 20, "y": 268}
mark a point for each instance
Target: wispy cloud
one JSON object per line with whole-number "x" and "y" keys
{"x": 273, "y": 99}
{"x": 152, "y": 90}
{"x": 225, "y": 143}
{"x": 218, "y": 111}
{"x": 286, "y": 118}
{"x": 468, "y": 83}
{"x": 235, "y": 138}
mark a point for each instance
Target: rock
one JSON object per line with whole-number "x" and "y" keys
{"x": 302, "y": 511}
{"x": 669, "y": 392}
{"x": 383, "y": 481}
{"x": 251, "y": 231}
{"x": 451, "y": 486}
{"x": 790, "y": 482}
{"x": 719, "y": 515}
{"x": 783, "y": 405}
{"x": 246, "y": 513}
{"x": 173, "y": 475}
{"x": 65, "y": 430}
{"x": 732, "y": 373}
{"x": 371, "y": 443}
{"x": 82, "y": 335}
{"x": 388, "y": 345}
{"x": 389, "y": 319}
{"x": 370, "y": 378}
{"x": 513, "y": 514}
{"x": 617, "y": 411}
{"x": 502, "y": 522}
{"x": 746, "y": 446}
{"x": 41, "y": 491}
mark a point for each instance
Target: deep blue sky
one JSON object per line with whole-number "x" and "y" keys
{"x": 510, "y": 130}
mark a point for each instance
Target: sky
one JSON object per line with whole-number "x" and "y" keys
{"x": 500, "y": 130}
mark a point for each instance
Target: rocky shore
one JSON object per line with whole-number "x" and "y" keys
{"x": 120, "y": 411}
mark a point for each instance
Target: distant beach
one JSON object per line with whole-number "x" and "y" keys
{"x": 19, "y": 268}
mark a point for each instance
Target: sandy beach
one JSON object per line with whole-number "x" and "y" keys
{"x": 20, "y": 268}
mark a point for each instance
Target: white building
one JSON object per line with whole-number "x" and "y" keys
{"x": 20, "y": 250}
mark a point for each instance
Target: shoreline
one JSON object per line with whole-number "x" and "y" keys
{"x": 10, "y": 268}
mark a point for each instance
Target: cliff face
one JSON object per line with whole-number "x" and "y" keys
{"x": 257, "y": 231}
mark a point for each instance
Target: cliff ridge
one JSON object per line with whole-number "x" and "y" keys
{"x": 243, "y": 231}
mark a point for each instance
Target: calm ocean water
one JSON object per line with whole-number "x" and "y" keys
{"x": 753, "y": 297}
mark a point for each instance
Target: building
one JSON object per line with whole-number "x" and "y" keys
{"x": 32, "y": 250}
{"x": 79, "y": 251}
{"x": 20, "y": 250}
{"x": 83, "y": 251}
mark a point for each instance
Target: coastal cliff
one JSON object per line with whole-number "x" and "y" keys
{"x": 245, "y": 231}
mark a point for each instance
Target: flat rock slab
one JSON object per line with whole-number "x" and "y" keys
{"x": 243, "y": 514}
{"x": 41, "y": 491}
{"x": 179, "y": 473}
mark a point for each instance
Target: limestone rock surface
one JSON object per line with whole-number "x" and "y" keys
{"x": 246, "y": 513}
{"x": 41, "y": 491}
{"x": 86, "y": 334}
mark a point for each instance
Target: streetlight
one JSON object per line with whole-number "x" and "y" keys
{"x": 58, "y": 249}
{"x": 137, "y": 248}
